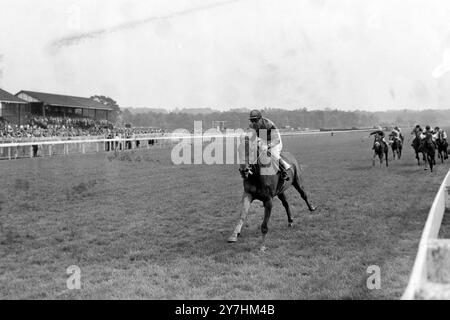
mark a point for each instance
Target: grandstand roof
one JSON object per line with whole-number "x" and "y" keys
{"x": 8, "y": 97}
{"x": 66, "y": 101}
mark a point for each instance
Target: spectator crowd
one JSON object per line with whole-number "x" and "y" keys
{"x": 43, "y": 128}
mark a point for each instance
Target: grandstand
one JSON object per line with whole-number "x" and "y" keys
{"x": 49, "y": 104}
{"x": 12, "y": 108}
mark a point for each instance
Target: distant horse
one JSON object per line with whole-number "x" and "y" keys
{"x": 417, "y": 146}
{"x": 396, "y": 145}
{"x": 381, "y": 150}
{"x": 428, "y": 148}
{"x": 442, "y": 148}
{"x": 263, "y": 182}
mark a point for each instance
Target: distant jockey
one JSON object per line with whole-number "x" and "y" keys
{"x": 395, "y": 134}
{"x": 428, "y": 135}
{"x": 397, "y": 128}
{"x": 379, "y": 136}
{"x": 417, "y": 131}
{"x": 273, "y": 144}
{"x": 440, "y": 134}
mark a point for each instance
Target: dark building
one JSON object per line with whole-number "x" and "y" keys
{"x": 13, "y": 108}
{"x": 56, "y": 105}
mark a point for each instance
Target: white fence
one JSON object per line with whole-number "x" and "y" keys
{"x": 14, "y": 150}
{"x": 431, "y": 275}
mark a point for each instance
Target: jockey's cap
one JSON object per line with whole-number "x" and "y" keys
{"x": 427, "y": 127}
{"x": 255, "y": 114}
{"x": 437, "y": 128}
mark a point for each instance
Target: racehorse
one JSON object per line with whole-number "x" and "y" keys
{"x": 380, "y": 149}
{"x": 396, "y": 145}
{"x": 428, "y": 149}
{"x": 417, "y": 146}
{"x": 442, "y": 147}
{"x": 263, "y": 182}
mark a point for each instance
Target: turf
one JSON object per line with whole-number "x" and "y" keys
{"x": 141, "y": 228}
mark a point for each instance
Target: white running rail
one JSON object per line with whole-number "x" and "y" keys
{"x": 430, "y": 276}
{"x": 9, "y": 150}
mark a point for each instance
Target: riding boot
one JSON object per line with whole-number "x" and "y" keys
{"x": 284, "y": 166}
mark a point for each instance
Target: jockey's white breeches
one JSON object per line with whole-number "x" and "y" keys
{"x": 276, "y": 151}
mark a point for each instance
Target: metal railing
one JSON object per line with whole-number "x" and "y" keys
{"x": 51, "y": 147}
{"x": 42, "y": 148}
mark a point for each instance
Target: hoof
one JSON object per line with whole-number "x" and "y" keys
{"x": 232, "y": 239}
{"x": 291, "y": 224}
{"x": 313, "y": 209}
{"x": 263, "y": 249}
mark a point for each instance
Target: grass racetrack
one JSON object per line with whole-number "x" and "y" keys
{"x": 141, "y": 228}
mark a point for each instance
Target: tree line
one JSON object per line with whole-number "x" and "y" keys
{"x": 302, "y": 118}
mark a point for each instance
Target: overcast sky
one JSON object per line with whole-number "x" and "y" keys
{"x": 346, "y": 54}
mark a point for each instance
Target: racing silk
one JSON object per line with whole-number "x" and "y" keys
{"x": 378, "y": 134}
{"x": 272, "y": 134}
{"x": 441, "y": 135}
{"x": 395, "y": 134}
{"x": 416, "y": 131}
{"x": 428, "y": 136}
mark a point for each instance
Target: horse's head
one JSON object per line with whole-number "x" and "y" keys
{"x": 377, "y": 146}
{"x": 245, "y": 171}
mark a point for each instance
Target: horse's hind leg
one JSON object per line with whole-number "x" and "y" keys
{"x": 297, "y": 183}
{"x": 246, "y": 202}
{"x": 264, "y": 225}
{"x": 282, "y": 197}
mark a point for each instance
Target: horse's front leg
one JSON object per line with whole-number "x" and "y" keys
{"x": 418, "y": 158}
{"x": 264, "y": 227}
{"x": 373, "y": 159}
{"x": 425, "y": 159}
{"x": 246, "y": 202}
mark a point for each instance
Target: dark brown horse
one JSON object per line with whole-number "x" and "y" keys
{"x": 417, "y": 146}
{"x": 442, "y": 149}
{"x": 428, "y": 148}
{"x": 263, "y": 182}
{"x": 397, "y": 146}
{"x": 381, "y": 150}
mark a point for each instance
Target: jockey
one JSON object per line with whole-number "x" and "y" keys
{"x": 416, "y": 132}
{"x": 428, "y": 134}
{"x": 440, "y": 134}
{"x": 273, "y": 142}
{"x": 416, "y": 129}
{"x": 399, "y": 133}
{"x": 379, "y": 135}
{"x": 395, "y": 134}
